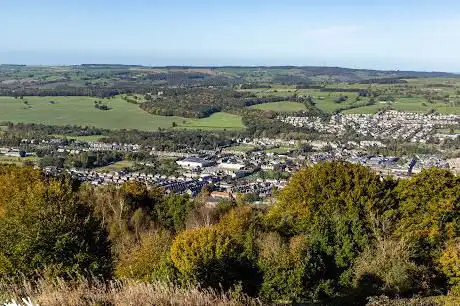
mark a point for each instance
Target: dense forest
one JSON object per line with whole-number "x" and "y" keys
{"x": 337, "y": 234}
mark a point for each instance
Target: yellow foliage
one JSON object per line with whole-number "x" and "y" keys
{"x": 236, "y": 222}
{"x": 193, "y": 249}
{"x": 147, "y": 261}
{"x": 450, "y": 264}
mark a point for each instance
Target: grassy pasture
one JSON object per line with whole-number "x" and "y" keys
{"x": 117, "y": 166}
{"x": 80, "y": 111}
{"x": 122, "y": 115}
{"x": 215, "y": 121}
{"x": 240, "y": 148}
{"x": 413, "y": 105}
{"x": 282, "y": 107}
{"x": 279, "y": 150}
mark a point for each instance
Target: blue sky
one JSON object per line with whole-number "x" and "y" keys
{"x": 391, "y": 34}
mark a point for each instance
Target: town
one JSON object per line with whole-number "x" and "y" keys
{"x": 257, "y": 166}
{"x": 412, "y": 127}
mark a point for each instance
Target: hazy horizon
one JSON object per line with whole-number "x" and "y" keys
{"x": 384, "y": 35}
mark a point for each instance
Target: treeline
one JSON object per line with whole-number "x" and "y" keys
{"x": 81, "y": 160}
{"x": 89, "y": 91}
{"x": 15, "y": 133}
{"x": 163, "y": 140}
{"x": 397, "y": 80}
{"x": 177, "y": 140}
{"x": 254, "y": 86}
{"x": 336, "y": 234}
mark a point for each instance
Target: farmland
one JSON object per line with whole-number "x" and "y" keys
{"x": 233, "y": 99}
{"x": 121, "y": 115}
{"x": 282, "y": 107}
{"x": 218, "y": 120}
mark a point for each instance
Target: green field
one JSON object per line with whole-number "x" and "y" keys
{"x": 413, "y": 105}
{"x": 122, "y": 115}
{"x": 88, "y": 138}
{"x": 282, "y": 107}
{"x": 240, "y": 148}
{"x": 279, "y": 150}
{"x": 369, "y": 109}
{"x": 215, "y": 121}
{"x": 116, "y": 166}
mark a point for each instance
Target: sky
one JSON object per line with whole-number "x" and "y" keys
{"x": 392, "y": 34}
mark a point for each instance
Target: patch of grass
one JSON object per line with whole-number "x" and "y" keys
{"x": 282, "y": 107}
{"x": 412, "y": 105}
{"x": 278, "y": 150}
{"x": 240, "y": 148}
{"x": 117, "y": 166}
{"x": 446, "y": 109}
{"x": 81, "y": 111}
{"x": 447, "y": 131}
{"x": 219, "y": 121}
{"x": 57, "y": 292}
{"x": 89, "y": 138}
{"x": 369, "y": 109}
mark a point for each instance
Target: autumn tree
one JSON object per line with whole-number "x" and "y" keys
{"x": 149, "y": 260}
{"x": 429, "y": 212}
{"x": 44, "y": 228}
{"x": 341, "y": 207}
{"x": 450, "y": 265}
{"x": 207, "y": 257}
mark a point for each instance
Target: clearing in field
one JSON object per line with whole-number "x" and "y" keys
{"x": 281, "y": 107}
{"x": 240, "y": 148}
{"x": 219, "y": 120}
{"x": 279, "y": 150}
{"x": 81, "y": 111}
{"x": 117, "y": 166}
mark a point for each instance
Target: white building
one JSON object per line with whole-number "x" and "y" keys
{"x": 194, "y": 162}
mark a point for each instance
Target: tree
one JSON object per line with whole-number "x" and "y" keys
{"x": 45, "y": 228}
{"x": 450, "y": 265}
{"x": 341, "y": 207}
{"x": 429, "y": 212}
{"x": 207, "y": 256}
{"x": 149, "y": 260}
{"x": 292, "y": 271}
